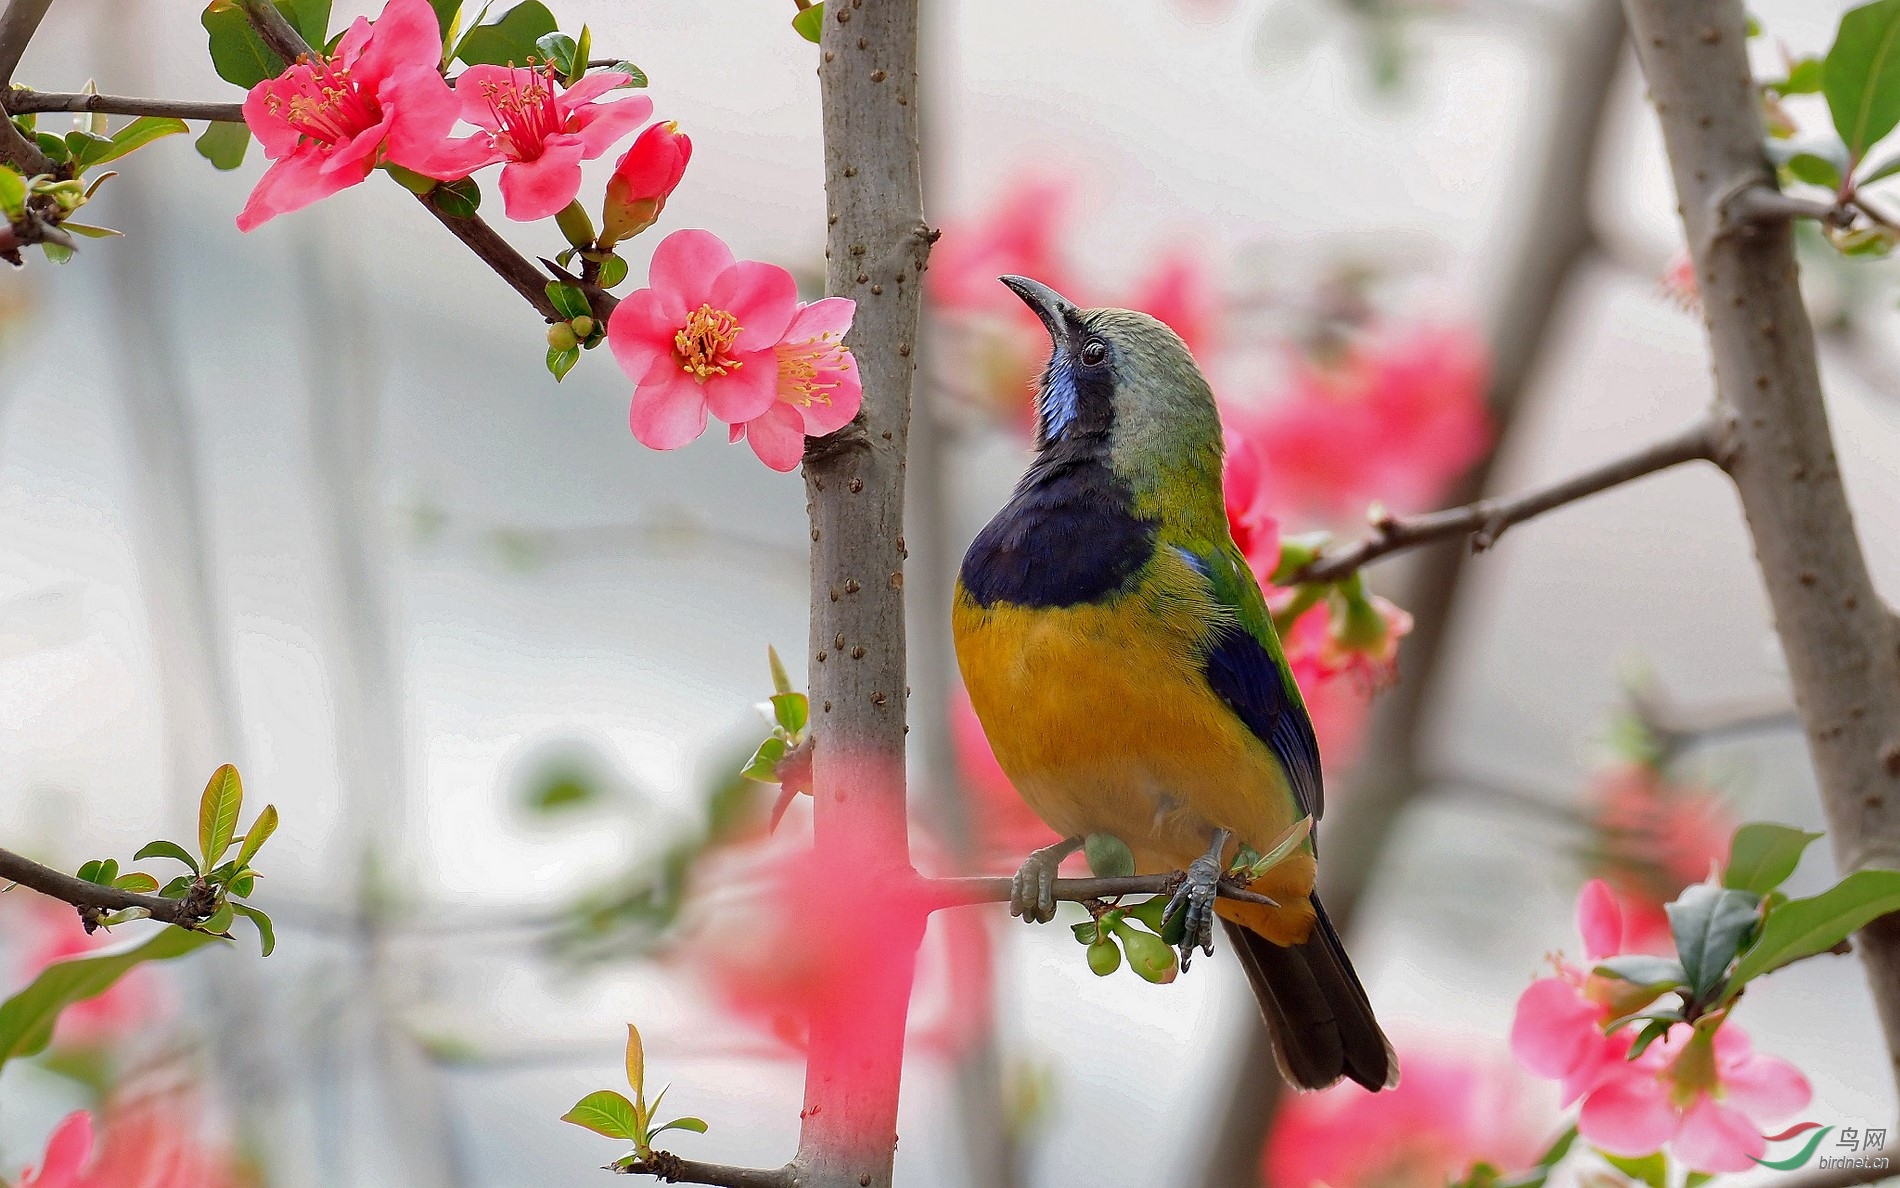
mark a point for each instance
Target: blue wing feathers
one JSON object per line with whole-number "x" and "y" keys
{"x": 1242, "y": 673}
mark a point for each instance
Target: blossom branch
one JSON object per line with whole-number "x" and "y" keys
{"x": 24, "y": 100}
{"x": 669, "y": 1168}
{"x": 93, "y": 900}
{"x": 1487, "y": 519}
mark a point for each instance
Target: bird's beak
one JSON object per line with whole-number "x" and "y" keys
{"x": 1057, "y": 312}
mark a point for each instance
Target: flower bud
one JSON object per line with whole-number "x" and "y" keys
{"x": 1104, "y": 957}
{"x": 583, "y": 326}
{"x": 1148, "y": 955}
{"x": 561, "y": 337}
{"x": 637, "y": 192}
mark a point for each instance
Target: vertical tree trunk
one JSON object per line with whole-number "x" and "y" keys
{"x": 1839, "y": 639}
{"x": 877, "y": 245}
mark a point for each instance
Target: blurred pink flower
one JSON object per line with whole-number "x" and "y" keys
{"x": 1703, "y": 1092}
{"x": 541, "y": 129}
{"x": 1180, "y": 291}
{"x": 1448, "y": 1113}
{"x": 702, "y": 338}
{"x": 1362, "y": 639}
{"x": 1020, "y": 236}
{"x": 818, "y": 386}
{"x": 67, "y": 1152}
{"x": 643, "y": 179}
{"x": 1653, "y": 837}
{"x": 149, "y": 1143}
{"x": 1395, "y": 421}
{"x": 55, "y": 933}
{"x": 1679, "y": 284}
{"x": 1244, "y": 485}
{"x": 327, "y": 121}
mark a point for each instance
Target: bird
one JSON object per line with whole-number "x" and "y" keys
{"x": 1122, "y": 660}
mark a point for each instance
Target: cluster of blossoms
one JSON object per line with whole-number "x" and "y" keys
{"x": 151, "y": 1142}
{"x": 1700, "y": 1089}
{"x": 710, "y": 335}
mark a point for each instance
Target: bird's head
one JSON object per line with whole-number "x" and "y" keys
{"x": 1122, "y": 383}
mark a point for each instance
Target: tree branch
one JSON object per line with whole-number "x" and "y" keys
{"x": 1487, "y": 519}
{"x": 23, "y": 100}
{"x": 669, "y": 1168}
{"x": 1755, "y": 205}
{"x": 962, "y": 892}
{"x": 17, "y": 25}
{"x": 92, "y": 900}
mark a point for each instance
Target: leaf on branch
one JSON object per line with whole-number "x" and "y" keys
{"x": 810, "y": 22}
{"x": 458, "y": 199}
{"x": 510, "y": 39}
{"x": 1710, "y": 925}
{"x": 561, "y": 360}
{"x": 1861, "y": 76}
{"x": 266, "y": 936}
{"x": 261, "y": 829}
{"x": 604, "y": 1112}
{"x": 166, "y": 849}
{"x": 134, "y": 136}
{"x": 237, "y": 53}
{"x": 218, "y": 811}
{"x": 568, "y": 301}
{"x": 1763, "y": 855}
{"x": 636, "y": 1062}
{"x": 27, "y": 1019}
{"x": 1804, "y": 927}
{"x": 138, "y": 882}
{"x": 1640, "y": 969}
{"x": 224, "y": 144}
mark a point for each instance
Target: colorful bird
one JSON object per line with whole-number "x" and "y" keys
{"x": 1124, "y": 665}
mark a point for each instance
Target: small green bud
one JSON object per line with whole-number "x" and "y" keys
{"x": 1148, "y": 911}
{"x": 583, "y": 326}
{"x": 1104, "y": 957}
{"x": 561, "y": 337}
{"x": 1086, "y": 932}
{"x": 575, "y": 225}
{"x": 1148, "y": 955}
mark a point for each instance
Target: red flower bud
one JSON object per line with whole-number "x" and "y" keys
{"x": 638, "y": 190}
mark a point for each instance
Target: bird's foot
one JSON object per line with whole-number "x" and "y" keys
{"x": 1200, "y": 887}
{"x": 1032, "y": 893}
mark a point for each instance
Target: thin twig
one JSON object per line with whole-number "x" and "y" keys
{"x": 961, "y": 892}
{"x": 22, "y": 101}
{"x": 92, "y": 899}
{"x": 1487, "y": 519}
{"x": 1757, "y": 205}
{"x": 669, "y": 1168}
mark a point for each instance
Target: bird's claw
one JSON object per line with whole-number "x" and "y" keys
{"x": 1195, "y": 896}
{"x": 1032, "y": 893}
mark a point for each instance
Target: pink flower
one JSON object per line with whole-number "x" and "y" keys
{"x": 1020, "y": 236}
{"x": 1703, "y": 1092}
{"x": 1557, "y": 1032}
{"x": 1447, "y": 1114}
{"x": 646, "y": 175}
{"x": 702, "y": 338}
{"x": 327, "y": 121}
{"x": 1244, "y": 486}
{"x": 818, "y": 387}
{"x": 1362, "y": 638}
{"x": 1653, "y": 837}
{"x": 541, "y": 129}
{"x": 66, "y": 1155}
{"x": 1180, "y": 292}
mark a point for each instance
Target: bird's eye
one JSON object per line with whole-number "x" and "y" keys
{"x": 1095, "y": 353}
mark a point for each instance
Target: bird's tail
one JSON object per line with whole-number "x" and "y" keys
{"x": 1316, "y": 1011}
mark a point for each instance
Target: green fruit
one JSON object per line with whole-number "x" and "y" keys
{"x": 561, "y": 337}
{"x": 583, "y": 326}
{"x": 1149, "y": 912}
{"x": 1104, "y": 957}
{"x": 1148, "y": 955}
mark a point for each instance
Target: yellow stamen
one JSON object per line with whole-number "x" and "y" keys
{"x": 704, "y": 342}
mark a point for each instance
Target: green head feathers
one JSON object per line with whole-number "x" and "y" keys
{"x": 1122, "y": 385}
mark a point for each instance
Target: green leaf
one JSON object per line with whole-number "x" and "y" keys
{"x": 445, "y": 13}
{"x": 510, "y": 39}
{"x": 1804, "y": 927}
{"x": 266, "y": 936}
{"x": 27, "y": 1019}
{"x": 458, "y": 199}
{"x": 781, "y": 680}
{"x": 792, "y": 711}
{"x": 134, "y": 136}
{"x": 261, "y": 829}
{"x": 137, "y": 882}
{"x": 1086, "y": 932}
{"x": 810, "y": 22}
{"x": 1815, "y": 170}
{"x": 238, "y": 55}
{"x": 636, "y": 77}
{"x": 1288, "y": 842}
{"x": 1804, "y": 78}
{"x": 89, "y": 872}
{"x": 763, "y": 766}
{"x": 1642, "y": 970}
{"x": 1710, "y": 925}
{"x": 1651, "y": 1169}
{"x": 108, "y": 871}
{"x": 178, "y": 888}
{"x": 224, "y": 144}
{"x": 613, "y": 269}
{"x": 557, "y": 49}
{"x": 1861, "y": 77}
{"x": 692, "y": 1124}
{"x": 568, "y": 301}
{"x": 244, "y": 884}
{"x": 636, "y": 1062}
{"x": 88, "y": 230}
{"x": 562, "y": 361}
{"x": 1109, "y": 857}
{"x": 311, "y": 17}
{"x": 583, "y": 47}
{"x": 82, "y": 145}
{"x": 166, "y": 849}
{"x": 12, "y": 191}
{"x": 57, "y": 253}
{"x": 605, "y": 1113}
{"x": 1763, "y": 855}
{"x": 53, "y": 146}
{"x": 218, "y": 812}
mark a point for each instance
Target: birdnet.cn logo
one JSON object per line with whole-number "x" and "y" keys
{"x": 1853, "y": 1147}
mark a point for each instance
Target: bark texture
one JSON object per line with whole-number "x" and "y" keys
{"x": 1839, "y": 639}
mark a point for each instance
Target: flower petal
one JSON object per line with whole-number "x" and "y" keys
{"x": 472, "y": 89}
{"x": 1765, "y": 1088}
{"x": 1628, "y": 1115}
{"x": 641, "y": 333}
{"x": 745, "y": 391}
{"x": 1600, "y": 920}
{"x": 686, "y": 264}
{"x": 592, "y": 87}
{"x": 762, "y": 296}
{"x": 406, "y": 35}
{"x": 357, "y": 155}
{"x": 1715, "y": 1138}
{"x": 1554, "y": 1028}
{"x": 777, "y": 436}
{"x": 668, "y": 409}
{"x": 292, "y": 183}
{"x": 66, "y": 1154}
{"x": 422, "y": 109}
{"x": 603, "y": 125}
{"x": 538, "y": 189}
{"x": 847, "y": 396}
{"x": 827, "y": 315}
{"x": 272, "y": 130}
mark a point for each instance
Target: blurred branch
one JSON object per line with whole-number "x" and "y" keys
{"x": 93, "y": 900}
{"x": 669, "y": 1168}
{"x": 22, "y": 100}
{"x": 962, "y": 892}
{"x": 1487, "y": 519}
{"x": 17, "y": 25}
{"x": 1676, "y": 728}
{"x": 1757, "y": 205}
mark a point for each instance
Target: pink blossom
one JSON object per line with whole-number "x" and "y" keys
{"x": 1362, "y": 639}
{"x": 1653, "y": 837}
{"x": 703, "y": 338}
{"x": 1180, "y": 291}
{"x": 818, "y": 386}
{"x": 643, "y": 179}
{"x": 1244, "y": 486}
{"x": 66, "y": 1155}
{"x": 149, "y": 1142}
{"x": 327, "y": 121}
{"x": 1021, "y": 236}
{"x": 1702, "y": 1091}
{"x": 1447, "y": 1114}
{"x": 541, "y": 129}
{"x": 1557, "y": 1032}
{"x": 1678, "y": 283}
